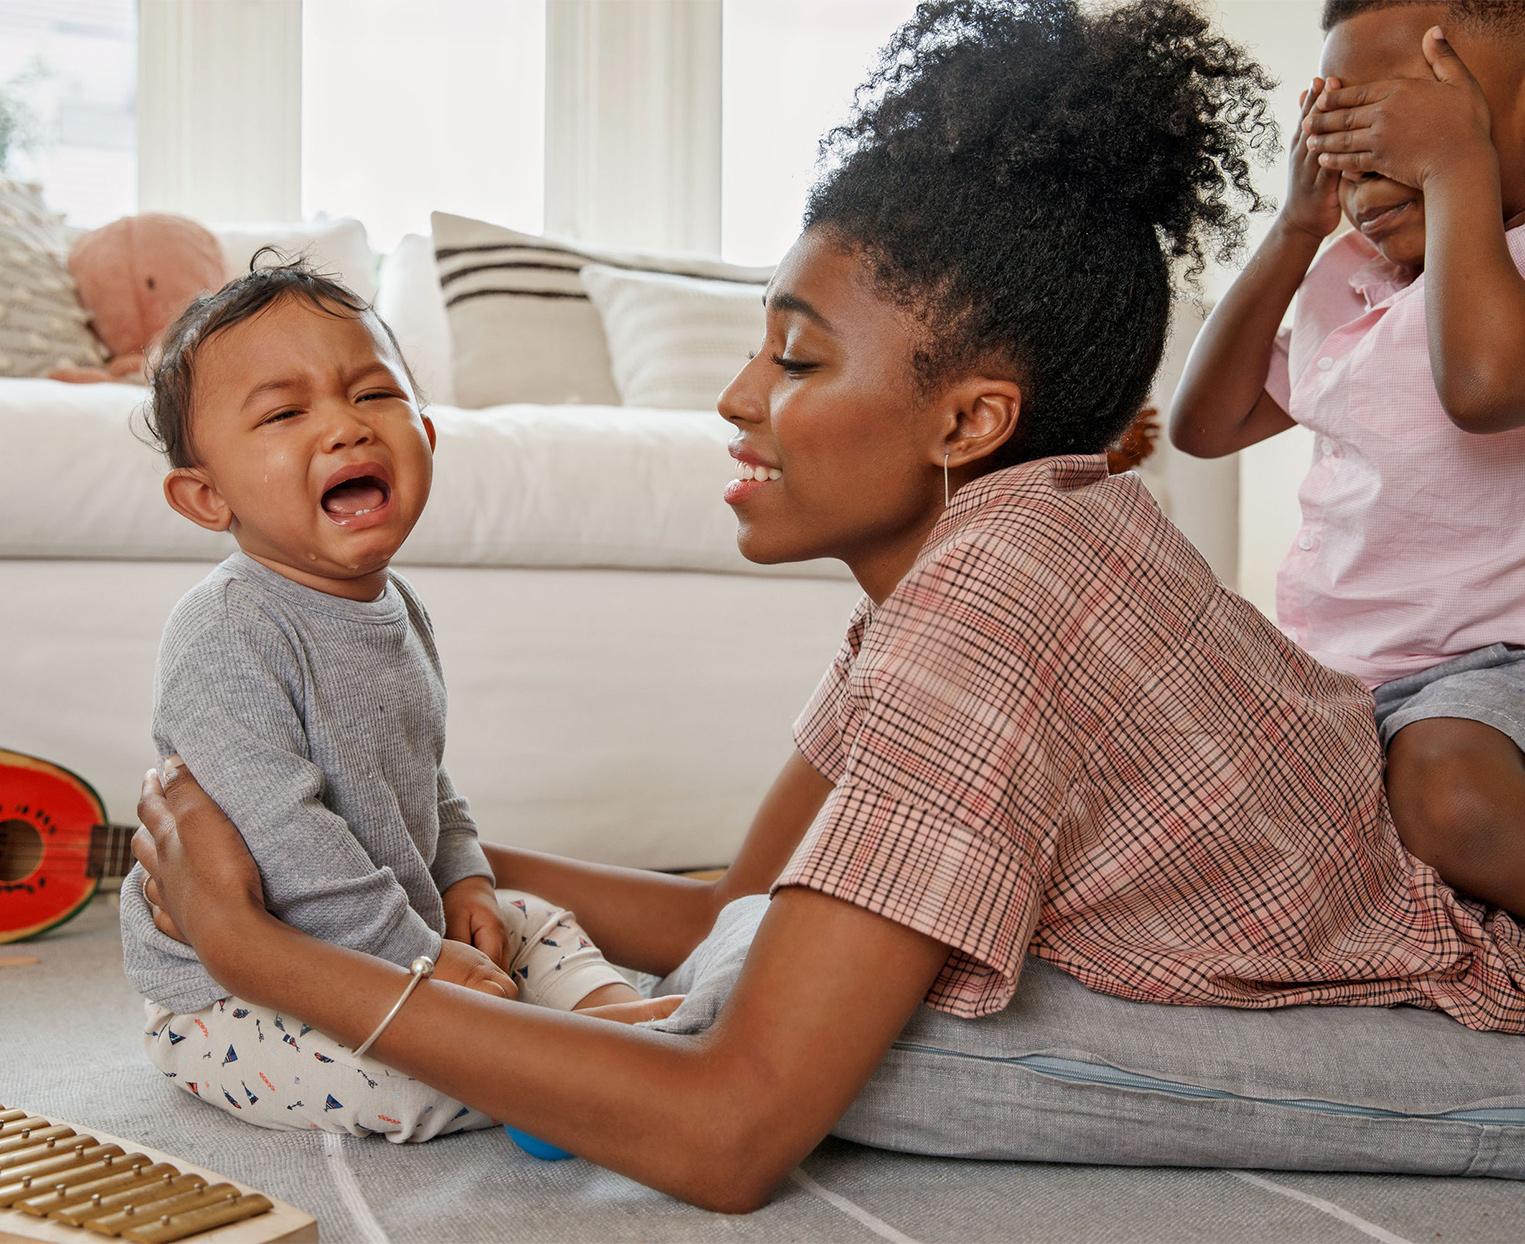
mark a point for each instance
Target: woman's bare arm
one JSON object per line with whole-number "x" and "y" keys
{"x": 650, "y": 921}
{"x": 718, "y": 1120}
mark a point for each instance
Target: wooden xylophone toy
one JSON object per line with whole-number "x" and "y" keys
{"x": 58, "y": 1182}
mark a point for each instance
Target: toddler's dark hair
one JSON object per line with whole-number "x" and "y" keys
{"x": 1021, "y": 173}
{"x": 1501, "y": 16}
{"x": 172, "y": 380}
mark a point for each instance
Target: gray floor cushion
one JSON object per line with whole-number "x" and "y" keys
{"x": 69, "y": 1047}
{"x": 1067, "y": 1074}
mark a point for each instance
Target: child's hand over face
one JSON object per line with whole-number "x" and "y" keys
{"x": 1313, "y": 203}
{"x": 472, "y": 915}
{"x": 1407, "y": 129}
{"x": 460, "y": 964}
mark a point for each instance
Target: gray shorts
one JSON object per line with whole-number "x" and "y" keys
{"x": 1487, "y": 685}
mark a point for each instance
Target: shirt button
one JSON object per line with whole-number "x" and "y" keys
{"x": 1327, "y": 446}
{"x": 1305, "y": 542}
{"x": 1324, "y": 364}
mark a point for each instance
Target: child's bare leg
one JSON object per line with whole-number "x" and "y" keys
{"x": 1457, "y": 792}
{"x": 557, "y": 965}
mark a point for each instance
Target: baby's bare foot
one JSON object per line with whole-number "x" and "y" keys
{"x": 635, "y": 1012}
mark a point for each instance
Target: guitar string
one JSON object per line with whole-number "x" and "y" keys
{"x": 115, "y": 850}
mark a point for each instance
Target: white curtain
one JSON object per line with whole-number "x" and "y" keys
{"x": 632, "y": 151}
{"x": 220, "y": 108}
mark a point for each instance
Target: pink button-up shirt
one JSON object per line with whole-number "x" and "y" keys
{"x": 1412, "y": 544}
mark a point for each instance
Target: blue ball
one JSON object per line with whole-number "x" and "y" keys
{"x": 536, "y": 1148}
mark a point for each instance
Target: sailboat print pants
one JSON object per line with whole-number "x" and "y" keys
{"x": 272, "y": 1070}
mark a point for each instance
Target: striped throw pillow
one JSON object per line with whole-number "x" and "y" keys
{"x": 522, "y": 327}
{"x": 42, "y": 325}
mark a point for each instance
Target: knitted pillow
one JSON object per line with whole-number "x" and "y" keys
{"x": 522, "y": 328}
{"x": 42, "y": 325}
{"x": 674, "y": 341}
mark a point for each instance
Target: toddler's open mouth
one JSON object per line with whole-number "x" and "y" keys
{"x": 357, "y": 494}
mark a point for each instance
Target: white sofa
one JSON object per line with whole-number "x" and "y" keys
{"x": 622, "y": 681}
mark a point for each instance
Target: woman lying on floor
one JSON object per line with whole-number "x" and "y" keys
{"x": 1049, "y": 730}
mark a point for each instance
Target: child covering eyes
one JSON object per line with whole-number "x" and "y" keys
{"x": 1408, "y": 570}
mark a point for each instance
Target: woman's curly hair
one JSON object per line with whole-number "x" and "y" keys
{"x": 1023, "y": 173}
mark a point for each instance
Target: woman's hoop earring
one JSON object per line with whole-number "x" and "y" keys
{"x": 947, "y": 496}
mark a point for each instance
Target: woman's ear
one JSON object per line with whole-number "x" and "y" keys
{"x": 982, "y": 416}
{"x": 191, "y": 492}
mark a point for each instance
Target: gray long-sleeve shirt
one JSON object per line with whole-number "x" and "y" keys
{"x": 318, "y": 725}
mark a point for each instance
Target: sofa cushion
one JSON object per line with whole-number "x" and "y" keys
{"x": 409, "y": 299}
{"x": 522, "y": 327}
{"x": 42, "y": 325}
{"x": 675, "y": 342}
{"x": 338, "y": 247}
{"x": 521, "y": 485}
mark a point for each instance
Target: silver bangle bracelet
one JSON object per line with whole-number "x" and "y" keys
{"x": 419, "y": 969}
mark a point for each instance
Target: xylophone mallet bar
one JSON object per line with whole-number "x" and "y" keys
{"x": 157, "y": 1189}
{"x": 193, "y": 1222}
{"x": 93, "y": 1193}
{"x": 148, "y": 1213}
{"x": 131, "y": 1204}
{"x": 31, "y": 1181}
{"x": 19, "y": 1152}
{"x": 33, "y": 1171}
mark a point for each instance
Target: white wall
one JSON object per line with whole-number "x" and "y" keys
{"x": 1284, "y": 36}
{"x": 790, "y": 69}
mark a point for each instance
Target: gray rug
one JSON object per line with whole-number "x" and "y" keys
{"x": 69, "y": 1048}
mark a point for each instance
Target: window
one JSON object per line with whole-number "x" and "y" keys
{"x": 70, "y": 68}
{"x": 789, "y": 70}
{"x": 409, "y": 106}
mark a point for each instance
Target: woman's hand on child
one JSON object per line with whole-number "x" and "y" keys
{"x": 1313, "y": 204}
{"x": 472, "y": 915}
{"x": 1405, "y": 129}
{"x": 462, "y": 964}
{"x": 195, "y": 859}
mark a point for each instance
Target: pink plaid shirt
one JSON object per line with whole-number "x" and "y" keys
{"x": 1412, "y": 544}
{"x": 1061, "y": 735}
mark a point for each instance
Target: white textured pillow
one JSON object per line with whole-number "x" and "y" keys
{"x": 411, "y": 302}
{"x": 522, "y": 327}
{"x": 42, "y": 325}
{"x": 337, "y": 246}
{"x": 675, "y": 342}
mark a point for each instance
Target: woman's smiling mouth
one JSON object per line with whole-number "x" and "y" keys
{"x": 751, "y": 474}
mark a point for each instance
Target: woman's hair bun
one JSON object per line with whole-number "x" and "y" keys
{"x": 1047, "y": 156}
{"x": 1140, "y": 107}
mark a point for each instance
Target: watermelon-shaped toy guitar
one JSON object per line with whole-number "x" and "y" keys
{"x": 56, "y": 844}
